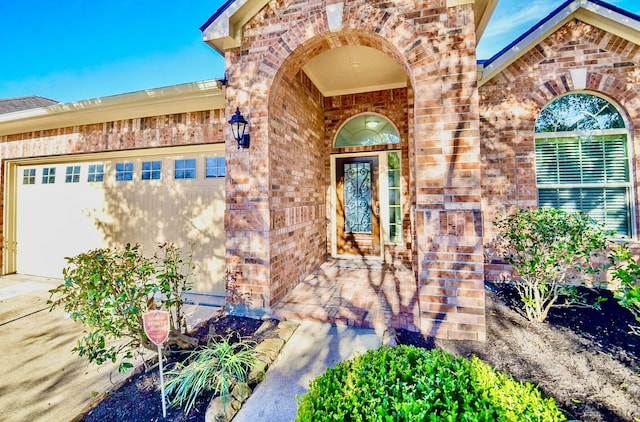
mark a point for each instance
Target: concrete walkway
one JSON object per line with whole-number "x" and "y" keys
{"x": 312, "y": 349}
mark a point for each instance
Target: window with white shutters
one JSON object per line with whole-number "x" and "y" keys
{"x": 582, "y": 160}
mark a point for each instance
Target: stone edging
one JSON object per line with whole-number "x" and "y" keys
{"x": 269, "y": 351}
{"x": 269, "y": 348}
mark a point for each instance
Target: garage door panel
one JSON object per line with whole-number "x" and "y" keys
{"x": 61, "y": 219}
{"x": 47, "y": 216}
{"x": 204, "y": 228}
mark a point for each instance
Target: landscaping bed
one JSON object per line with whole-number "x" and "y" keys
{"x": 586, "y": 359}
{"x": 139, "y": 398}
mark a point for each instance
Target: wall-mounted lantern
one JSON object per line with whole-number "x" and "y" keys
{"x": 238, "y": 127}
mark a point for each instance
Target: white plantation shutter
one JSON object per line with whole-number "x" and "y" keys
{"x": 586, "y": 171}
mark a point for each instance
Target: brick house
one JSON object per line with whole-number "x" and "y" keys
{"x": 380, "y": 152}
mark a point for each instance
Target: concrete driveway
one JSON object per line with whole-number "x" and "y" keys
{"x": 40, "y": 379}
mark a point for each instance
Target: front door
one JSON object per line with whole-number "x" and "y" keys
{"x": 357, "y": 206}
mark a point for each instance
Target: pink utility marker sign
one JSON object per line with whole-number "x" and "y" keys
{"x": 156, "y": 326}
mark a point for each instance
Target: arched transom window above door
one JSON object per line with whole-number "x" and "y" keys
{"x": 367, "y": 129}
{"x": 583, "y": 161}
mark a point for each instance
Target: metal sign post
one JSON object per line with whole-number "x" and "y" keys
{"x": 156, "y": 327}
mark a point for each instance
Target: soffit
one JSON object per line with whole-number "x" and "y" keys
{"x": 612, "y": 20}
{"x": 197, "y": 96}
{"x": 351, "y": 69}
{"x": 223, "y": 30}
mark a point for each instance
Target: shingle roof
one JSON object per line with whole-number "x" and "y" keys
{"x": 9, "y": 105}
{"x": 217, "y": 14}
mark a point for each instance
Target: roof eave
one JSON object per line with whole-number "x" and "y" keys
{"x": 483, "y": 11}
{"x": 223, "y": 30}
{"x": 196, "y": 96}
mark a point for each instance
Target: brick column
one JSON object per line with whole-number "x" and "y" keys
{"x": 247, "y": 215}
{"x": 448, "y": 207}
{"x": 451, "y": 274}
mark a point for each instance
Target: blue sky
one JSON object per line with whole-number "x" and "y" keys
{"x": 513, "y": 17}
{"x": 82, "y": 49}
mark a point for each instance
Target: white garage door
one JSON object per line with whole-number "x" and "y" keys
{"x": 67, "y": 206}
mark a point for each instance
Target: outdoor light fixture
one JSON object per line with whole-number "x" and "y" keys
{"x": 238, "y": 126}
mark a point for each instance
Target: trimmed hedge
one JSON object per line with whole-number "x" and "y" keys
{"x": 406, "y": 383}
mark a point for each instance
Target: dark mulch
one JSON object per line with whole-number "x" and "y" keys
{"x": 140, "y": 400}
{"x": 586, "y": 359}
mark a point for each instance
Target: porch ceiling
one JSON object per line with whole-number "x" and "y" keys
{"x": 351, "y": 69}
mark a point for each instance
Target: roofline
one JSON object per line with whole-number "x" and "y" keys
{"x": 524, "y": 35}
{"x": 223, "y": 30}
{"x": 216, "y": 14}
{"x": 618, "y": 21}
{"x": 195, "y": 96}
{"x": 21, "y": 97}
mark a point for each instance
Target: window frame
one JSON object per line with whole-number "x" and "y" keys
{"x": 95, "y": 173}
{"x": 582, "y": 136}
{"x": 48, "y": 175}
{"x": 185, "y": 171}
{"x": 29, "y": 176}
{"x": 126, "y": 173}
{"x": 153, "y": 172}
{"x": 395, "y": 207}
{"x": 351, "y": 126}
{"x": 72, "y": 173}
{"x": 217, "y": 167}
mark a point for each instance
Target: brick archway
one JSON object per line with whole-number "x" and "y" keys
{"x": 264, "y": 84}
{"x": 614, "y": 89}
{"x": 299, "y": 156}
{"x": 436, "y": 47}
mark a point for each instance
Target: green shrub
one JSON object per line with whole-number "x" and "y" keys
{"x": 552, "y": 252}
{"x": 627, "y": 274}
{"x": 109, "y": 289}
{"x": 406, "y": 383}
{"x": 215, "y": 367}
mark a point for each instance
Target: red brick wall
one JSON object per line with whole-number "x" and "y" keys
{"x": 276, "y": 236}
{"x": 511, "y": 101}
{"x": 296, "y": 154}
{"x": 149, "y": 132}
{"x": 448, "y": 233}
{"x": 436, "y": 45}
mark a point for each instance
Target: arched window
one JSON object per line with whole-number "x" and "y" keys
{"x": 367, "y": 129}
{"x": 582, "y": 160}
